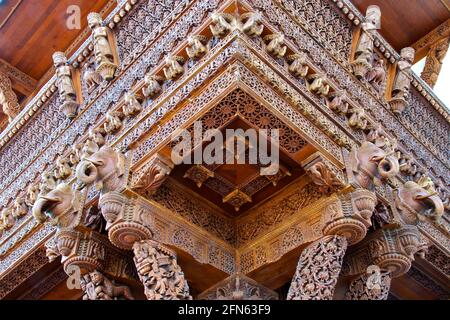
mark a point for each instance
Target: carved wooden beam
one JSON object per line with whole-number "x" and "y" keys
{"x": 440, "y": 32}
{"x": 21, "y": 82}
{"x": 434, "y": 61}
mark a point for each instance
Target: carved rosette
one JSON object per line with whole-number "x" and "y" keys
{"x": 350, "y": 215}
{"x": 318, "y": 269}
{"x": 159, "y": 272}
{"x": 238, "y": 287}
{"x": 370, "y": 286}
{"x": 126, "y": 222}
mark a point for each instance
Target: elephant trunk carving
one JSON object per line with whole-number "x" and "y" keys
{"x": 104, "y": 167}
{"x": 60, "y": 205}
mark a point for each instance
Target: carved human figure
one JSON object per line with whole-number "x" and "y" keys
{"x": 63, "y": 168}
{"x": 105, "y": 167}
{"x": 159, "y": 272}
{"x": 364, "y": 50}
{"x": 61, "y": 205}
{"x": 403, "y": 77}
{"x": 104, "y": 57}
{"x": 66, "y": 89}
{"x": 400, "y": 88}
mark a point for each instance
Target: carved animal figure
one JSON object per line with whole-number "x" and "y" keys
{"x": 20, "y": 208}
{"x": 113, "y": 121}
{"x": 275, "y": 46}
{"x": 196, "y": 47}
{"x": 174, "y": 67}
{"x": 153, "y": 85}
{"x": 371, "y": 164}
{"x": 105, "y": 289}
{"x": 222, "y": 24}
{"x": 61, "y": 205}
{"x": 105, "y": 167}
{"x": 251, "y": 23}
{"x": 298, "y": 66}
{"x": 132, "y": 105}
{"x": 377, "y": 74}
{"x": 414, "y": 198}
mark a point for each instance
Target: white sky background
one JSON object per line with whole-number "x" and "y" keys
{"x": 442, "y": 86}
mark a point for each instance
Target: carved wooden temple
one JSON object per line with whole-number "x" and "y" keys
{"x": 359, "y": 208}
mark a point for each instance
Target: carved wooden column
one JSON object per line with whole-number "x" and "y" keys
{"x": 433, "y": 63}
{"x": 345, "y": 223}
{"x": 129, "y": 220}
{"x": 318, "y": 269}
{"x": 238, "y": 287}
{"x": 8, "y": 99}
{"x": 159, "y": 272}
{"x": 374, "y": 284}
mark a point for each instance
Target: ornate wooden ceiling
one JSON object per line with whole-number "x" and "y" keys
{"x": 404, "y": 22}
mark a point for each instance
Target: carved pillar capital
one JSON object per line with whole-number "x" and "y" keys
{"x": 349, "y": 215}
{"x": 159, "y": 271}
{"x": 238, "y": 287}
{"x": 126, "y": 221}
{"x": 392, "y": 249}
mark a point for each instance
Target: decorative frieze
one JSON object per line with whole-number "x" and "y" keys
{"x": 238, "y": 287}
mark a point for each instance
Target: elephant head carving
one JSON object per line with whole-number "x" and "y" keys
{"x": 61, "y": 205}
{"x": 415, "y": 201}
{"x": 372, "y": 164}
{"x": 105, "y": 168}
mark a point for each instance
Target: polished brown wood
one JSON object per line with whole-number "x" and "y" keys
{"x": 403, "y": 22}
{"x": 30, "y": 32}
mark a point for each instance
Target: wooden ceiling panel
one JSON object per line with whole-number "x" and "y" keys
{"x": 403, "y": 22}
{"x": 30, "y": 31}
